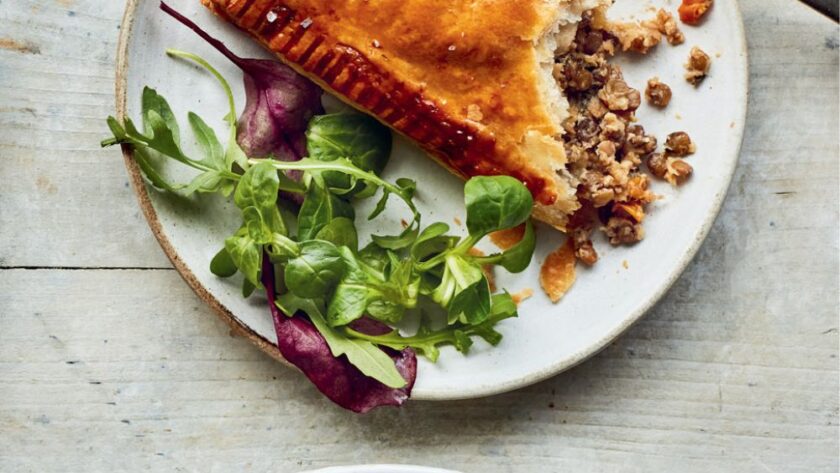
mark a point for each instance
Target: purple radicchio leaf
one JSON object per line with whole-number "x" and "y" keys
{"x": 301, "y": 344}
{"x": 279, "y": 102}
{"x": 370, "y": 326}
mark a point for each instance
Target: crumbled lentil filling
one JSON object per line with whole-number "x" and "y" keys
{"x": 605, "y": 146}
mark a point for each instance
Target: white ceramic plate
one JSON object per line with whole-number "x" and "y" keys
{"x": 381, "y": 469}
{"x": 547, "y": 338}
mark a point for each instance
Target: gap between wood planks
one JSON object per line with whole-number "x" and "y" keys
{"x": 86, "y": 268}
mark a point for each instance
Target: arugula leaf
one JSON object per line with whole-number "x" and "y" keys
{"x": 496, "y": 203}
{"x": 153, "y": 102}
{"x": 162, "y": 135}
{"x": 207, "y": 140}
{"x": 144, "y": 161}
{"x": 315, "y": 271}
{"x": 233, "y": 152}
{"x": 426, "y": 341}
{"x": 364, "y": 355}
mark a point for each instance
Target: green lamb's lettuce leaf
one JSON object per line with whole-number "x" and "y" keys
{"x": 246, "y": 254}
{"x": 433, "y": 240}
{"x": 315, "y": 270}
{"x": 341, "y": 232}
{"x": 320, "y": 207}
{"x": 222, "y": 264}
{"x": 359, "y": 138}
{"x": 365, "y": 289}
{"x": 496, "y": 203}
{"x": 256, "y": 195}
{"x": 518, "y": 257}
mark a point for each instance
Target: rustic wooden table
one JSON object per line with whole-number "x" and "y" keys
{"x": 109, "y": 362}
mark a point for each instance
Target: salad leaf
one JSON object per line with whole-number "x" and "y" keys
{"x": 278, "y": 102}
{"x": 222, "y": 264}
{"x": 320, "y": 208}
{"x": 427, "y": 341}
{"x": 246, "y": 254}
{"x": 431, "y": 241}
{"x": 305, "y": 347}
{"x": 518, "y": 257}
{"x": 341, "y": 232}
{"x": 315, "y": 270}
{"x": 496, "y": 203}
{"x": 162, "y": 135}
{"x": 359, "y": 138}
{"x": 206, "y": 137}
{"x": 256, "y": 195}
{"x": 233, "y": 153}
{"x": 365, "y": 356}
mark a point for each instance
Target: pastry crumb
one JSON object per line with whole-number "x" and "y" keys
{"x": 507, "y": 239}
{"x": 557, "y": 274}
{"x": 522, "y": 296}
{"x": 625, "y": 264}
{"x": 665, "y": 23}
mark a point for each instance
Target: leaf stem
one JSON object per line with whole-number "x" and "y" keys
{"x": 220, "y": 46}
{"x": 200, "y": 61}
{"x": 340, "y": 165}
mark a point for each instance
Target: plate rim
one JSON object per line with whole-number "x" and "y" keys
{"x": 239, "y": 328}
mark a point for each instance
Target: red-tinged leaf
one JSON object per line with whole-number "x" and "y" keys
{"x": 301, "y": 344}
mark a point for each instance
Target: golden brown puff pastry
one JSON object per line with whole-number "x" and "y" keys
{"x": 468, "y": 80}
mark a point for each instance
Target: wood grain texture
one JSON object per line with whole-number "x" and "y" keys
{"x": 124, "y": 369}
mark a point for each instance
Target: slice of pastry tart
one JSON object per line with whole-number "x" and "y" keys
{"x": 468, "y": 80}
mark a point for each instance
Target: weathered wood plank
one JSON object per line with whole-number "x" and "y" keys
{"x": 64, "y": 201}
{"x": 131, "y": 364}
{"x": 736, "y": 370}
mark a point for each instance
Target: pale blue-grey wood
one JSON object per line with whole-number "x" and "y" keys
{"x": 735, "y": 370}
